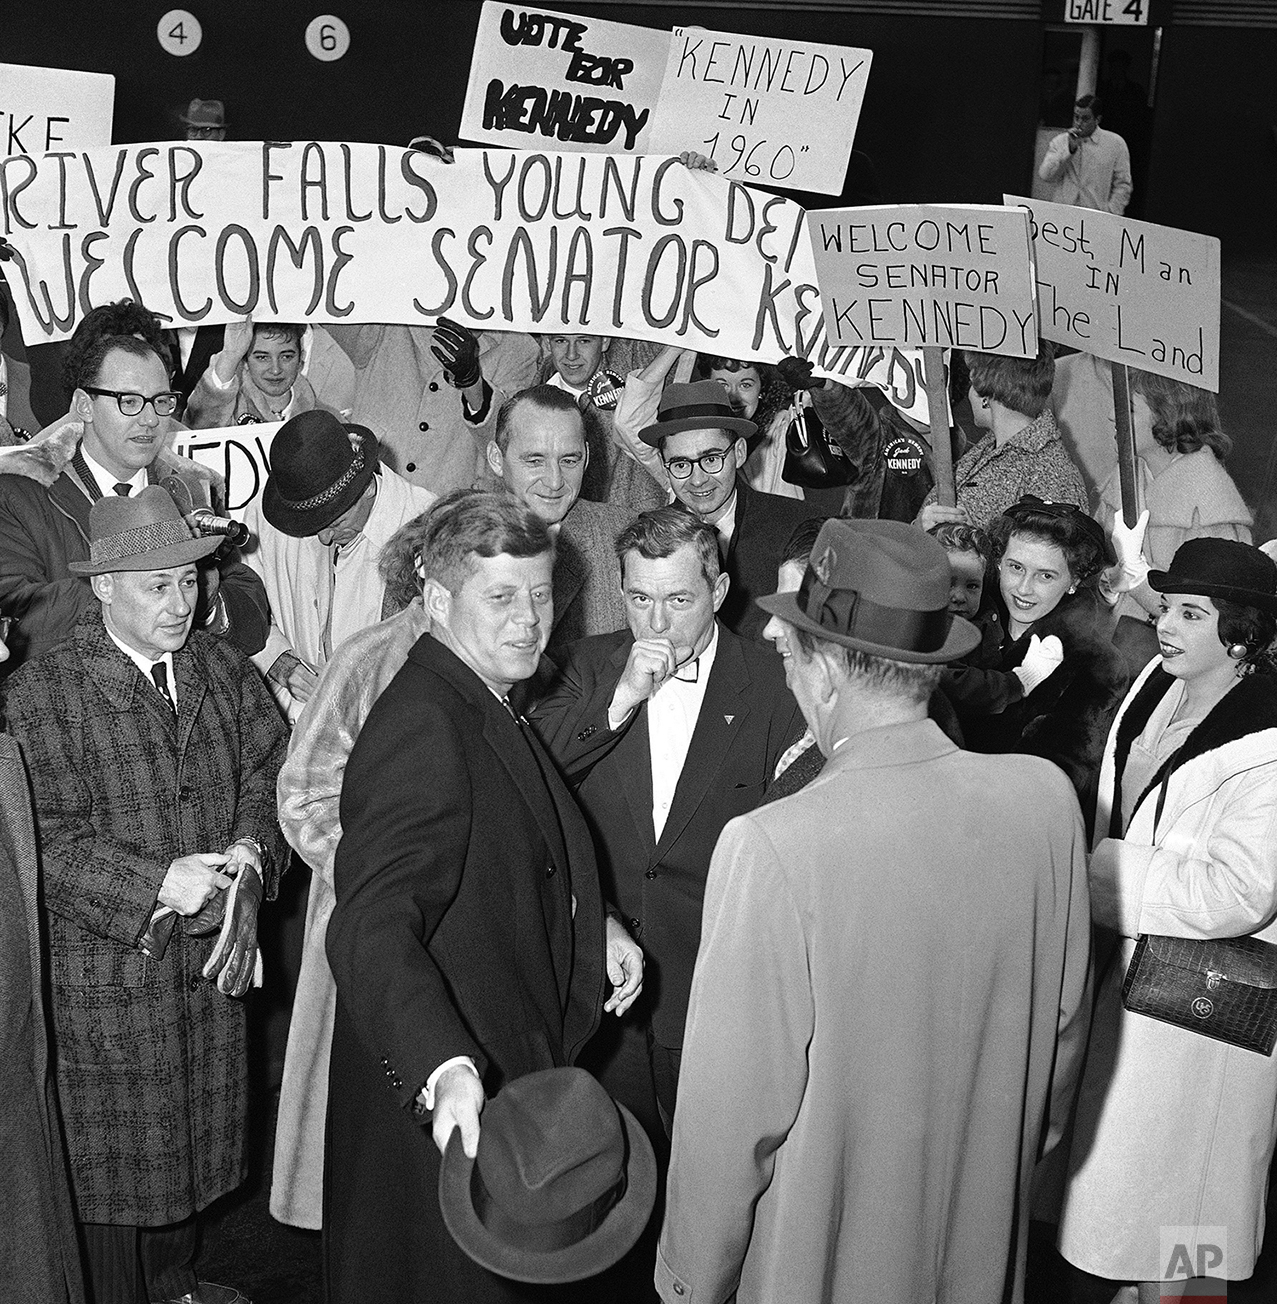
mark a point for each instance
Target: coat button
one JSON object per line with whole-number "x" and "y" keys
{"x": 193, "y": 984}
{"x": 679, "y": 1288}
{"x": 423, "y": 425}
{"x": 636, "y": 925}
{"x": 649, "y": 873}
{"x": 412, "y": 466}
{"x": 549, "y": 873}
{"x": 434, "y": 386}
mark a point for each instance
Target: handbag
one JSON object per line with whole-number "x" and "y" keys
{"x": 1220, "y": 988}
{"x": 813, "y": 458}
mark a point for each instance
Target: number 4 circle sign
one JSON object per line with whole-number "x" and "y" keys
{"x": 179, "y": 32}
{"x": 327, "y": 37}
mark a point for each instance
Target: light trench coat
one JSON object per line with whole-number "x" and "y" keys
{"x": 1175, "y": 1129}
{"x": 309, "y": 795}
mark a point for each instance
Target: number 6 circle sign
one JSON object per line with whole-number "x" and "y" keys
{"x": 327, "y": 37}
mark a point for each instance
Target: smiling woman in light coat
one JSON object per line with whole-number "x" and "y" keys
{"x": 1174, "y": 1129}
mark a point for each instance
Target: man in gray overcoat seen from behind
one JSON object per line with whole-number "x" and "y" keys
{"x": 153, "y": 753}
{"x": 889, "y": 960}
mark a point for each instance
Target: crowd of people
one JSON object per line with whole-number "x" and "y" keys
{"x": 725, "y": 879}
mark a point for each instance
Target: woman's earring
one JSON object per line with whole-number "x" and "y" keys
{"x": 984, "y": 402}
{"x": 1073, "y": 589}
{"x": 1237, "y": 651}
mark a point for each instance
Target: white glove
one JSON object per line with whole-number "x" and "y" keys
{"x": 1128, "y": 542}
{"x": 1040, "y": 662}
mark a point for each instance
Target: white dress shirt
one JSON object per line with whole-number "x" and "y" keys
{"x": 106, "y": 479}
{"x": 672, "y": 712}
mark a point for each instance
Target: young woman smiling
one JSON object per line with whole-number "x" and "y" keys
{"x": 1049, "y": 558}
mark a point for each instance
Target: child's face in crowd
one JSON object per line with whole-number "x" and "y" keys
{"x": 966, "y": 582}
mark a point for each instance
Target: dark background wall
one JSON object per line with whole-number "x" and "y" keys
{"x": 949, "y": 115}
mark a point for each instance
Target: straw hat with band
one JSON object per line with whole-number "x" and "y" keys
{"x": 561, "y": 1187}
{"x": 881, "y": 587}
{"x": 319, "y": 468}
{"x": 1221, "y": 568}
{"x": 143, "y": 532}
{"x": 700, "y": 405}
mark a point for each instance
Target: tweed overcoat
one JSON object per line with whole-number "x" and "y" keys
{"x": 152, "y": 1070}
{"x": 891, "y": 987}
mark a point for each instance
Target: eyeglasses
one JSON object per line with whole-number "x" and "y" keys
{"x": 131, "y": 405}
{"x": 711, "y": 463}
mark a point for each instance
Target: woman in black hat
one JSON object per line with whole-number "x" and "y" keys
{"x": 1176, "y": 1130}
{"x": 1049, "y": 558}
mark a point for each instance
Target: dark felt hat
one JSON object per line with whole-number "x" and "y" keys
{"x": 700, "y": 405}
{"x": 145, "y": 531}
{"x": 1221, "y": 568}
{"x": 319, "y": 467}
{"x": 562, "y": 1185}
{"x": 881, "y": 587}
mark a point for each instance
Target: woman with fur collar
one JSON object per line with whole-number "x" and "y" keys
{"x": 1175, "y": 1129}
{"x": 1049, "y": 558}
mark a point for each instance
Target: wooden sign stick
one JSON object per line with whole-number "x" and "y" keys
{"x": 938, "y": 415}
{"x": 1123, "y": 419}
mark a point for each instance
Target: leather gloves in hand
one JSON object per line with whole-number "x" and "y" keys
{"x": 234, "y": 955}
{"x": 796, "y": 373}
{"x": 457, "y": 349}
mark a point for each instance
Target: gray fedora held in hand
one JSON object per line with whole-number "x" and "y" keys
{"x": 881, "y": 587}
{"x": 563, "y": 1183}
{"x": 143, "y": 532}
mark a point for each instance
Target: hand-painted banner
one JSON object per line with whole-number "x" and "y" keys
{"x": 1131, "y": 292}
{"x": 240, "y": 454}
{"x": 44, "y": 109}
{"x": 578, "y": 83}
{"x": 778, "y": 112}
{"x": 501, "y": 240}
{"x": 918, "y": 275}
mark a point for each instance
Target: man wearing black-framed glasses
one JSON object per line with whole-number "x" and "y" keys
{"x": 702, "y": 446}
{"x": 112, "y": 444}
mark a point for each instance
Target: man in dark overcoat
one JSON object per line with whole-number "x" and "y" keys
{"x": 468, "y": 941}
{"x": 153, "y": 754}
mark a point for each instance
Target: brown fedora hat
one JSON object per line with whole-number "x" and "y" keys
{"x": 143, "y": 532}
{"x": 205, "y": 113}
{"x": 700, "y": 405}
{"x": 881, "y": 587}
{"x": 563, "y": 1183}
{"x": 319, "y": 467}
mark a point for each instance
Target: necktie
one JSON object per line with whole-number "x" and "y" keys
{"x": 122, "y": 489}
{"x": 689, "y": 671}
{"x": 159, "y": 673}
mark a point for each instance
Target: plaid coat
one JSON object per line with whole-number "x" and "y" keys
{"x": 151, "y": 1061}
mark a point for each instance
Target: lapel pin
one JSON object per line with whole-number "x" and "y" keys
{"x": 729, "y": 718}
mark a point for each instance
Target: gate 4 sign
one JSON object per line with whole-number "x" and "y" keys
{"x": 1107, "y": 13}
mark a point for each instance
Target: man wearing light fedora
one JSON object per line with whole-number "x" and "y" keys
{"x": 153, "y": 753}
{"x": 328, "y": 509}
{"x": 205, "y": 120}
{"x": 891, "y": 987}
{"x": 702, "y": 445}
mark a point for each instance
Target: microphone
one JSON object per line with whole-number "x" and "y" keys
{"x": 204, "y": 522}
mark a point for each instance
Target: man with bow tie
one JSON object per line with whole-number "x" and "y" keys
{"x": 670, "y": 729}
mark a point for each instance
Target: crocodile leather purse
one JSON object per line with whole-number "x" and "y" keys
{"x": 1221, "y": 988}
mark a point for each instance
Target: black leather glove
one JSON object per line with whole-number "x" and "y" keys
{"x": 797, "y": 374}
{"x": 457, "y": 349}
{"x": 235, "y": 953}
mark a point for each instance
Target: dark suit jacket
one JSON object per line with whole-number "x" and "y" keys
{"x": 747, "y": 719}
{"x": 452, "y": 934}
{"x": 763, "y": 525}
